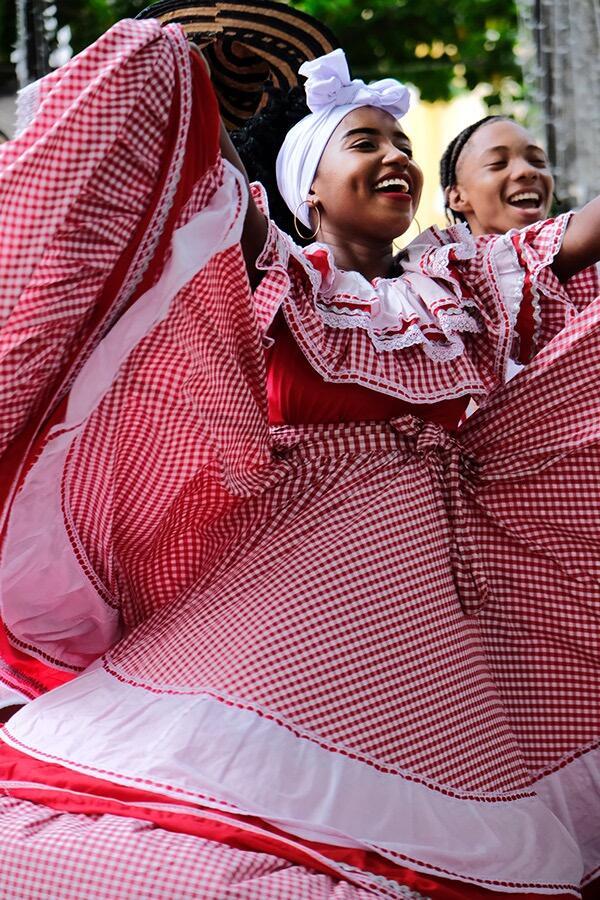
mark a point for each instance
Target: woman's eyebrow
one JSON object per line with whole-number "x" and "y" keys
{"x": 503, "y": 147}
{"x": 496, "y": 149}
{"x": 361, "y": 131}
{"x": 398, "y": 136}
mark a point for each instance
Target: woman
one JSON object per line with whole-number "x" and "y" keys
{"x": 496, "y": 178}
{"x": 318, "y": 662}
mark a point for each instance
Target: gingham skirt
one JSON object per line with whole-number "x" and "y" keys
{"x": 370, "y": 636}
{"x": 64, "y": 856}
{"x": 329, "y": 647}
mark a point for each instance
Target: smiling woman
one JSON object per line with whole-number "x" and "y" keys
{"x": 288, "y": 632}
{"x": 367, "y": 189}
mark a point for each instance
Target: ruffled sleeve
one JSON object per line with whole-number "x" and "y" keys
{"x": 517, "y": 269}
{"x": 276, "y": 263}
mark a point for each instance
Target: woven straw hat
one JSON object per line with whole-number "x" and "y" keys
{"x": 247, "y": 45}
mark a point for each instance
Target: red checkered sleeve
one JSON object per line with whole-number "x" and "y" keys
{"x": 517, "y": 268}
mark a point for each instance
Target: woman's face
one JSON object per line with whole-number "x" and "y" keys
{"x": 367, "y": 186}
{"x": 502, "y": 180}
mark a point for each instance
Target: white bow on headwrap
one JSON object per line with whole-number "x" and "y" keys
{"x": 330, "y": 94}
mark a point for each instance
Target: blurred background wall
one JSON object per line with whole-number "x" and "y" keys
{"x": 560, "y": 53}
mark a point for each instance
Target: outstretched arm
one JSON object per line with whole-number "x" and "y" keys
{"x": 581, "y": 244}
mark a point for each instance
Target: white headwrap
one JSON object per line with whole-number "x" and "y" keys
{"x": 330, "y": 94}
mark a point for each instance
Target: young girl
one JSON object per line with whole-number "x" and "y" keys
{"x": 495, "y": 177}
{"x": 309, "y": 644}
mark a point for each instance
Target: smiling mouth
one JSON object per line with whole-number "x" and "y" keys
{"x": 526, "y": 200}
{"x": 392, "y": 185}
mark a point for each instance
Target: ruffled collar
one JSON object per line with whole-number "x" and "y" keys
{"x": 416, "y": 307}
{"x": 402, "y": 336}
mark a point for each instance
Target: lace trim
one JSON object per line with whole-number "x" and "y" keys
{"x": 413, "y": 336}
{"x": 514, "y": 279}
{"x": 430, "y": 251}
{"x": 153, "y": 232}
{"x": 561, "y": 223}
{"x": 537, "y": 314}
{"x": 413, "y": 329}
{"x": 395, "y": 887}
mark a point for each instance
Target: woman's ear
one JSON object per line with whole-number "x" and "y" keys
{"x": 457, "y": 201}
{"x": 313, "y": 195}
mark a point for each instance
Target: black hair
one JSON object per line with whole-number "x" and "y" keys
{"x": 260, "y": 140}
{"x": 450, "y": 158}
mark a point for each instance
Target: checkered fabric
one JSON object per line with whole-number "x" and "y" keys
{"x": 100, "y": 142}
{"x": 89, "y": 195}
{"x": 64, "y": 856}
{"x": 534, "y": 524}
{"x": 421, "y": 604}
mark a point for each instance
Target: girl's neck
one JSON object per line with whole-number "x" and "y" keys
{"x": 372, "y": 261}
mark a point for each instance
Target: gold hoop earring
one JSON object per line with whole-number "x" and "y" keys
{"x": 308, "y": 237}
{"x": 418, "y": 224}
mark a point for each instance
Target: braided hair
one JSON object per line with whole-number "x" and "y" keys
{"x": 260, "y": 140}
{"x": 450, "y": 158}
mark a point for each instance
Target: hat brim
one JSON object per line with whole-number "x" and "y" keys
{"x": 247, "y": 45}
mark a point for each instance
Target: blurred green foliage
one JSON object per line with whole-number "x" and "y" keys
{"x": 440, "y": 47}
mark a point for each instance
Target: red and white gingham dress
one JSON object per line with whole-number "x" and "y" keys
{"x": 331, "y": 660}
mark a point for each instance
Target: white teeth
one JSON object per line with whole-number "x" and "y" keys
{"x": 526, "y": 195}
{"x": 400, "y": 183}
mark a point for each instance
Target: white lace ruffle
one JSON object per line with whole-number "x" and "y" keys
{"x": 413, "y": 336}
{"x": 412, "y": 309}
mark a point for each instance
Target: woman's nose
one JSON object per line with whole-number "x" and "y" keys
{"x": 396, "y": 155}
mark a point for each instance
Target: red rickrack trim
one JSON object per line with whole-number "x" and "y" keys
{"x": 33, "y": 649}
{"x": 386, "y": 770}
{"x": 76, "y": 544}
{"x": 567, "y": 760}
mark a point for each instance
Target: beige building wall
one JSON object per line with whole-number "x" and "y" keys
{"x": 431, "y": 127}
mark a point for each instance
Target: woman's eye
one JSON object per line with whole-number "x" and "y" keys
{"x": 540, "y": 163}
{"x": 496, "y": 164}
{"x": 407, "y": 151}
{"x": 364, "y": 145}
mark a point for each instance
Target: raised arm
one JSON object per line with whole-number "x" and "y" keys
{"x": 255, "y": 230}
{"x": 254, "y": 234}
{"x": 581, "y": 244}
